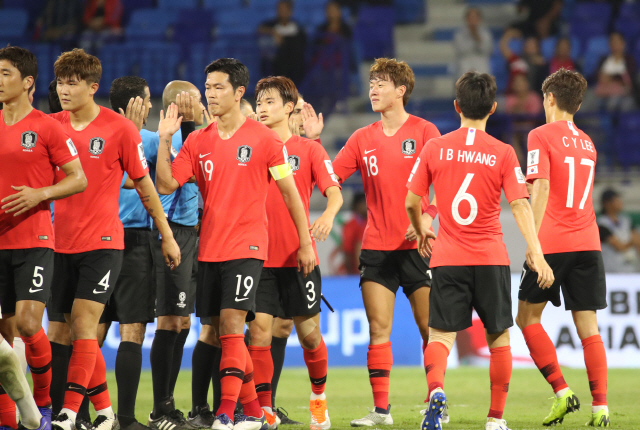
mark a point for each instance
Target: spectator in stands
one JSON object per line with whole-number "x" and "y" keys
{"x": 522, "y": 99}
{"x": 334, "y": 25}
{"x": 352, "y": 233}
{"x": 101, "y": 21}
{"x": 474, "y": 44}
{"x": 60, "y": 22}
{"x": 531, "y": 63}
{"x": 283, "y": 54}
{"x": 616, "y": 77}
{"x": 542, "y": 18}
{"x": 620, "y": 242}
{"x": 562, "y": 56}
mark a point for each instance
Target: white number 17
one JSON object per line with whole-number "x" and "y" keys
{"x": 572, "y": 179}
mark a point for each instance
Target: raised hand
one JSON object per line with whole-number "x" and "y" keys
{"x": 312, "y": 123}
{"x": 171, "y": 123}
{"x": 186, "y": 104}
{"x": 135, "y": 112}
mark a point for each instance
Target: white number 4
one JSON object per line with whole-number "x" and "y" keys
{"x": 572, "y": 179}
{"x": 105, "y": 281}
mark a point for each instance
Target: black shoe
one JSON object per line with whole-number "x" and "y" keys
{"x": 81, "y": 424}
{"x": 203, "y": 418}
{"x": 174, "y": 420}
{"x": 135, "y": 425}
{"x": 283, "y": 416}
{"x": 103, "y": 422}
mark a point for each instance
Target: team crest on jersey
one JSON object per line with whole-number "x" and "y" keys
{"x": 244, "y": 153}
{"x": 96, "y": 145}
{"x": 28, "y": 139}
{"x": 294, "y": 162}
{"x": 408, "y": 147}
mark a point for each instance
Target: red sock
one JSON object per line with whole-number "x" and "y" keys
{"x": 232, "y": 367}
{"x": 379, "y": 362}
{"x": 317, "y": 361}
{"x": 544, "y": 355}
{"x": 38, "y": 352}
{"x": 7, "y": 410}
{"x": 262, "y": 373}
{"x": 248, "y": 396}
{"x": 500, "y": 368}
{"x": 595, "y": 359}
{"x": 435, "y": 364}
{"x": 81, "y": 366}
{"x": 98, "y": 392}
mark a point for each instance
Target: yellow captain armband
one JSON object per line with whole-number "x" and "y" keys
{"x": 281, "y": 171}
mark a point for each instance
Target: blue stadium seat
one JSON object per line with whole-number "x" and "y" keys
{"x": 310, "y": 18}
{"x": 193, "y": 26}
{"x": 237, "y": 22}
{"x": 149, "y": 24}
{"x": 33, "y": 8}
{"x": 636, "y": 52}
{"x": 516, "y": 45}
{"x": 548, "y": 47}
{"x": 409, "y": 11}
{"x": 200, "y": 56}
{"x": 177, "y": 4}
{"x": 133, "y": 5}
{"x": 220, "y": 5}
{"x": 13, "y": 23}
{"x": 590, "y": 19}
{"x": 444, "y": 34}
{"x": 268, "y": 6}
{"x": 499, "y": 71}
{"x": 158, "y": 64}
{"x": 627, "y": 139}
{"x": 597, "y": 47}
{"x": 46, "y": 54}
{"x": 628, "y": 22}
{"x": 374, "y": 31}
{"x": 117, "y": 60}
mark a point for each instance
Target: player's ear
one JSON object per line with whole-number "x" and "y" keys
{"x": 239, "y": 93}
{"x": 493, "y": 108}
{"x": 400, "y": 91}
{"x": 93, "y": 88}
{"x": 288, "y": 108}
{"x": 27, "y": 83}
{"x": 456, "y": 106}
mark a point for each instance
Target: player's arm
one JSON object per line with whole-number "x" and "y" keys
{"x": 427, "y": 220}
{"x": 523, "y": 214}
{"x": 321, "y": 227}
{"x": 287, "y": 186}
{"x": 128, "y": 184}
{"x": 413, "y": 205}
{"x": 27, "y": 198}
{"x": 165, "y": 182}
{"x": 539, "y": 198}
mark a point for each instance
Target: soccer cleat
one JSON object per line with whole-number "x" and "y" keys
{"x": 562, "y": 406}
{"x": 495, "y": 424}
{"x": 433, "y": 414}
{"x": 135, "y": 425}
{"x": 600, "y": 419}
{"x": 83, "y": 425}
{"x": 251, "y": 423}
{"x": 271, "y": 418}
{"x": 319, "y": 415}
{"x": 45, "y": 411}
{"x": 222, "y": 422}
{"x": 44, "y": 424}
{"x": 174, "y": 420}
{"x": 283, "y": 418}
{"x": 374, "y": 418}
{"x": 103, "y": 422}
{"x": 445, "y": 414}
{"x": 62, "y": 422}
{"x": 203, "y": 419}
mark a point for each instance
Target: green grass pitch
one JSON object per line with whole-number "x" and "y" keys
{"x": 349, "y": 394}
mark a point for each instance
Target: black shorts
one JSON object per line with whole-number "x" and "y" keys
{"x": 285, "y": 293}
{"x": 393, "y": 269}
{"x": 580, "y": 275}
{"x": 228, "y": 285}
{"x": 175, "y": 291}
{"x": 133, "y": 299}
{"x": 52, "y": 315}
{"x": 90, "y": 275}
{"x": 25, "y": 274}
{"x": 457, "y": 290}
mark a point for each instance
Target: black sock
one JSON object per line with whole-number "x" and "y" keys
{"x": 178, "y": 349}
{"x": 161, "y": 358}
{"x": 83, "y": 412}
{"x": 128, "y": 368}
{"x": 60, "y": 355}
{"x": 278, "y": 346}
{"x": 215, "y": 378}
{"x": 201, "y": 370}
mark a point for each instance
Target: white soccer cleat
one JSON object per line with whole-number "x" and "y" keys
{"x": 251, "y": 423}
{"x": 374, "y": 419}
{"x": 496, "y": 424}
{"x": 445, "y": 414}
{"x": 319, "y": 415}
{"x": 222, "y": 422}
{"x": 62, "y": 422}
{"x": 104, "y": 422}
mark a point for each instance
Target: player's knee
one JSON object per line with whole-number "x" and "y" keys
{"x": 379, "y": 328}
{"x": 132, "y": 333}
{"x": 59, "y": 332}
{"x": 260, "y": 334}
{"x": 186, "y": 323}
{"x": 312, "y": 340}
{"x": 28, "y": 326}
{"x": 170, "y": 323}
{"x": 282, "y": 327}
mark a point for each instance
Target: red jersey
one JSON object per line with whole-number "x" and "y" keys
{"x": 352, "y": 233}
{"x": 468, "y": 169}
{"x": 311, "y": 165}
{"x": 109, "y": 146}
{"x": 385, "y": 163}
{"x": 233, "y": 176}
{"x": 30, "y": 151}
{"x": 565, "y": 155}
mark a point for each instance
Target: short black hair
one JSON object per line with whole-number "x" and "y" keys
{"x": 608, "y": 195}
{"x": 22, "y": 59}
{"x": 238, "y": 72}
{"x": 54, "y": 100}
{"x": 475, "y": 94}
{"x": 125, "y": 88}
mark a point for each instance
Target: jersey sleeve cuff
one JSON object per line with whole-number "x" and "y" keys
{"x": 281, "y": 171}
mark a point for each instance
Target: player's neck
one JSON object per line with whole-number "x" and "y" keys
{"x": 478, "y": 124}
{"x": 559, "y": 115}
{"x": 82, "y": 117}
{"x": 15, "y": 110}
{"x": 229, "y": 123}
{"x": 282, "y": 130}
{"x": 392, "y": 119}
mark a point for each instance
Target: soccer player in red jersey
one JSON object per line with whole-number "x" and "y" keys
{"x": 385, "y": 152}
{"x": 233, "y": 160}
{"x": 560, "y": 169}
{"x": 31, "y": 146}
{"x": 89, "y": 233}
{"x": 283, "y": 290}
{"x": 468, "y": 169}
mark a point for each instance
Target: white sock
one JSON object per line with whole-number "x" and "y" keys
{"x": 15, "y": 384}
{"x": 562, "y": 392}
{"x": 268, "y": 410}
{"x": 19, "y": 348}
{"x": 598, "y": 408}
{"x": 72, "y": 415}
{"x": 318, "y": 396}
{"x": 108, "y": 412}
